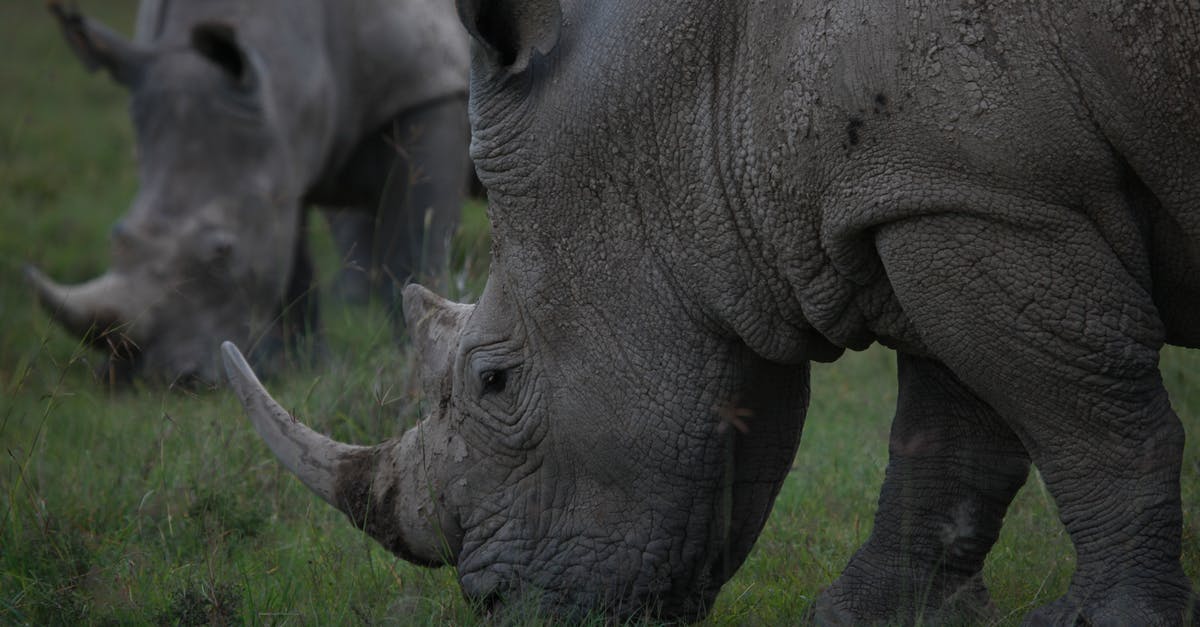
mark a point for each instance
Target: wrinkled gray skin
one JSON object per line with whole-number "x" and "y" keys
{"x": 245, "y": 112}
{"x": 692, "y": 200}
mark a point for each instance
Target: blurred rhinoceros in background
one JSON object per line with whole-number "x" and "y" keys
{"x": 244, "y": 113}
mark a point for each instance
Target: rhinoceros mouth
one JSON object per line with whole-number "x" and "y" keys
{"x": 501, "y": 591}
{"x": 122, "y": 365}
{"x": 507, "y": 602}
{"x": 121, "y": 316}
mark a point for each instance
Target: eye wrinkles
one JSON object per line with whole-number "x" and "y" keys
{"x": 489, "y": 372}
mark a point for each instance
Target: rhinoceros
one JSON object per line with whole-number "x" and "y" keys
{"x": 691, "y": 201}
{"x": 244, "y": 113}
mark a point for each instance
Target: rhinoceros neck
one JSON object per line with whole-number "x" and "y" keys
{"x": 684, "y": 136}
{"x": 661, "y": 187}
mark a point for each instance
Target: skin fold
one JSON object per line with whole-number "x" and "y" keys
{"x": 691, "y": 201}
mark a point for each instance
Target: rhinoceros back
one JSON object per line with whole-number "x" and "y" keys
{"x": 344, "y": 68}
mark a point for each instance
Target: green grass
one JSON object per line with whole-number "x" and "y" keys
{"x": 147, "y": 506}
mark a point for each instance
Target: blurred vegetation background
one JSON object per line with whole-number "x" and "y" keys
{"x": 152, "y": 506}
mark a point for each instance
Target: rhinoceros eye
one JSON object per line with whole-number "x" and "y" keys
{"x": 493, "y": 381}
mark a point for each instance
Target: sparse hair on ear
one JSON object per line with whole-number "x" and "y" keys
{"x": 97, "y": 46}
{"x": 511, "y": 30}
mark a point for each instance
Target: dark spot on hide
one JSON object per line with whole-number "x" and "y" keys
{"x": 852, "y": 129}
{"x": 374, "y": 515}
{"x": 881, "y": 104}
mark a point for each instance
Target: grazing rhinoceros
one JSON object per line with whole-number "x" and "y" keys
{"x": 244, "y": 112}
{"x": 692, "y": 200}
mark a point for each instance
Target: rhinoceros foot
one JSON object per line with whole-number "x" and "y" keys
{"x": 896, "y": 601}
{"x": 1115, "y": 608}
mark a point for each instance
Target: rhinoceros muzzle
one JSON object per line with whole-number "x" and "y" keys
{"x": 122, "y": 316}
{"x": 383, "y": 489}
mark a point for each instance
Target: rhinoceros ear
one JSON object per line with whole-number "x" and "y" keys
{"x": 97, "y": 46}
{"x": 218, "y": 42}
{"x": 510, "y": 30}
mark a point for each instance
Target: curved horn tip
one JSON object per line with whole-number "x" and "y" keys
{"x": 48, "y": 292}
{"x": 235, "y": 364}
{"x": 32, "y": 275}
{"x": 312, "y": 457}
{"x": 250, "y": 390}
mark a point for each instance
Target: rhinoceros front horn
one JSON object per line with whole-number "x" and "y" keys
{"x": 93, "y": 309}
{"x": 312, "y": 457}
{"x": 385, "y": 490}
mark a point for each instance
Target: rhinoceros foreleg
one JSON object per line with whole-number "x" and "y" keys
{"x": 954, "y": 468}
{"x": 297, "y": 333}
{"x": 1057, "y": 333}
{"x": 420, "y": 205}
{"x": 353, "y": 232}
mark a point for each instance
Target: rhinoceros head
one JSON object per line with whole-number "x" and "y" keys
{"x": 207, "y": 246}
{"x": 561, "y": 462}
{"x": 599, "y": 438}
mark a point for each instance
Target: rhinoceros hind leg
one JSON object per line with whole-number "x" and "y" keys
{"x": 954, "y": 468}
{"x": 1061, "y": 336}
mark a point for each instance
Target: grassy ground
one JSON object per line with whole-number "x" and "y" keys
{"x": 145, "y": 506}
